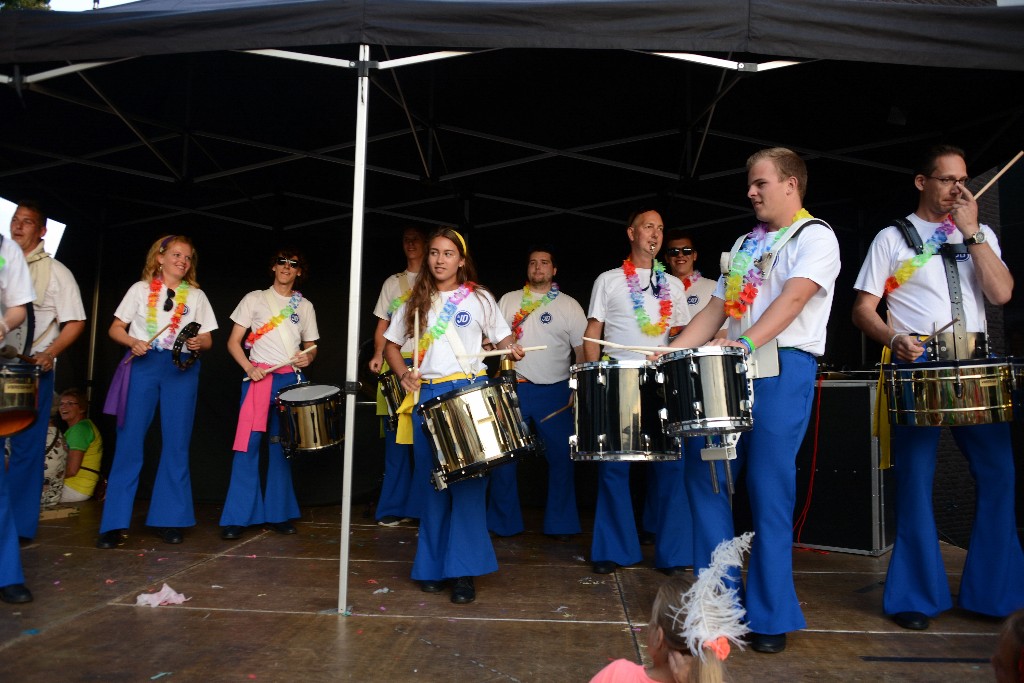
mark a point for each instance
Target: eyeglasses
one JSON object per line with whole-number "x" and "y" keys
{"x": 68, "y": 403}
{"x": 676, "y": 251}
{"x": 946, "y": 182}
{"x": 169, "y": 304}
{"x": 281, "y": 261}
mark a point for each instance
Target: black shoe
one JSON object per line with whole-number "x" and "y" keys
{"x": 915, "y": 621}
{"x": 231, "y": 533}
{"x": 768, "y": 644}
{"x": 463, "y": 592}
{"x": 431, "y": 586}
{"x": 604, "y": 566}
{"x": 15, "y": 593}
{"x": 283, "y": 528}
{"x": 170, "y": 534}
{"x": 109, "y": 539}
{"x": 675, "y": 571}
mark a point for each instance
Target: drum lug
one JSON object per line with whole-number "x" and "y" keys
{"x": 740, "y": 368}
{"x": 694, "y": 368}
{"x": 663, "y": 414}
{"x": 659, "y": 377}
{"x": 574, "y": 444}
{"x": 601, "y": 378}
{"x": 573, "y": 383}
{"x": 602, "y": 439}
{"x": 645, "y": 439}
{"x": 698, "y": 407}
{"x": 438, "y": 480}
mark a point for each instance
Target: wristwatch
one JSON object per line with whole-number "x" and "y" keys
{"x": 976, "y": 238}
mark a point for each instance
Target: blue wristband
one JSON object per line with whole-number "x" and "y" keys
{"x": 745, "y": 340}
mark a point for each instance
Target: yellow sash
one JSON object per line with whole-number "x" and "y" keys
{"x": 404, "y": 433}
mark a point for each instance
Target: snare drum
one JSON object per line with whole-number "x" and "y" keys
{"x": 19, "y": 386}
{"x": 310, "y": 417}
{"x": 474, "y": 428}
{"x": 706, "y": 391}
{"x": 619, "y": 413}
{"x": 950, "y": 394}
{"x": 394, "y": 394}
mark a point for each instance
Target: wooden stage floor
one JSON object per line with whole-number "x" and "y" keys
{"x": 265, "y": 609}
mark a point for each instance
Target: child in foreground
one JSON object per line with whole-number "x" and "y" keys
{"x": 692, "y": 627}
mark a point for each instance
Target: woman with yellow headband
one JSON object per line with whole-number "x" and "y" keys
{"x": 453, "y": 542}
{"x": 147, "y": 323}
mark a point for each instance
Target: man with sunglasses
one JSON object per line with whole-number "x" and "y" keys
{"x": 915, "y": 284}
{"x": 681, "y": 258}
{"x": 53, "y": 322}
{"x": 274, "y": 325}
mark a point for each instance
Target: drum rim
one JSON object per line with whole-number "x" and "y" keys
{"x": 946, "y": 364}
{"x": 698, "y": 351}
{"x": 624, "y": 364}
{"x": 19, "y": 369}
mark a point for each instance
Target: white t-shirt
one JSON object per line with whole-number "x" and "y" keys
{"x": 921, "y": 304}
{"x": 611, "y": 304}
{"x": 254, "y": 311}
{"x": 699, "y": 295}
{"x": 475, "y": 317}
{"x": 62, "y": 302}
{"x": 15, "y": 281}
{"x": 134, "y": 306}
{"x": 813, "y": 254}
{"x": 393, "y": 287}
{"x": 558, "y": 324}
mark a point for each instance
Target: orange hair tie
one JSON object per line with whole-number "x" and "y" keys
{"x": 720, "y": 646}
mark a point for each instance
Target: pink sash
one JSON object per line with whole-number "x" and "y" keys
{"x": 252, "y": 416}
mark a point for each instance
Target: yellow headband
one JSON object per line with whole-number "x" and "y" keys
{"x": 461, "y": 241}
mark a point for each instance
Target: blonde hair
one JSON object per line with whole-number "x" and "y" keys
{"x": 665, "y": 614}
{"x": 787, "y": 163}
{"x": 152, "y": 268}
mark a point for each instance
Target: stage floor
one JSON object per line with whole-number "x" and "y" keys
{"x": 265, "y": 609}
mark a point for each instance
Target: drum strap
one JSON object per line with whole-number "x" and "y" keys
{"x": 949, "y": 253}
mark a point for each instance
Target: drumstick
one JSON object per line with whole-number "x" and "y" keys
{"x": 996, "y": 177}
{"x": 287, "y": 362}
{"x": 642, "y": 349}
{"x": 151, "y": 340}
{"x": 500, "y": 352}
{"x": 560, "y": 410}
{"x": 924, "y": 342}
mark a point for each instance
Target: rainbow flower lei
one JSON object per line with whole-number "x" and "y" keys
{"x": 156, "y": 286}
{"x": 745, "y": 276}
{"x": 286, "y": 312}
{"x": 664, "y": 295}
{"x": 690, "y": 280}
{"x": 528, "y": 306}
{"x": 907, "y": 269}
{"x": 437, "y": 330}
{"x": 397, "y": 302}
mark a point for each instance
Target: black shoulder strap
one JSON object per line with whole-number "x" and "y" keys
{"x": 909, "y": 234}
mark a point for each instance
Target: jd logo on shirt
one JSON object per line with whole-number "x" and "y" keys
{"x": 692, "y": 300}
{"x": 545, "y": 318}
{"x": 962, "y": 257}
{"x": 463, "y": 318}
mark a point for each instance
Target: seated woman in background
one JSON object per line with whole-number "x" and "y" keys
{"x": 85, "y": 448}
{"x": 56, "y": 459}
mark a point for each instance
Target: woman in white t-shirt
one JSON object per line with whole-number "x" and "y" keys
{"x": 148, "y": 322}
{"x": 453, "y": 541}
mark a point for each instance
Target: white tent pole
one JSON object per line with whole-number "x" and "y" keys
{"x": 352, "y": 350}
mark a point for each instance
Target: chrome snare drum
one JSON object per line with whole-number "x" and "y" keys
{"x": 19, "y": 386}
{"x": 474, "y": 428}
{"x": 949, "y": 393}
{"x": 394, "y": 394}
{"x": 618, "y": 413}
{"x": 310, "y": 417}
{"x": 706, "y": 391}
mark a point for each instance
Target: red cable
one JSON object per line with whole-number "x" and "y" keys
{"x": 798, "y": 526}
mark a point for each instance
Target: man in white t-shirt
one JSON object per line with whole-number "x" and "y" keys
{"x": 57, "y": 319}
{"x": 681, "y": 258}
{"x": 779, "y": 289}
{"x": 918, "y": 299}
{"x": 638, "y": 304}
{"x": 398, "y": 501}
{"x": 540, "y": 314}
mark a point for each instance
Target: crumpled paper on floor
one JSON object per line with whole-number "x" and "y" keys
{"x": 165, "y": 596}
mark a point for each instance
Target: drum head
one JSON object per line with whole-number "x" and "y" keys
{"x": 298, "y": 394}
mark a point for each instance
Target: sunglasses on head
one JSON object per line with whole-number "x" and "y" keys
{"x": 676, "y": 251}
{"x": 282, "y": 261}
{"x": 169, "y": 304}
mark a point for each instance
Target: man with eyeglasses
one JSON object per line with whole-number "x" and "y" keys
{"x": 540, "y": 314}
{"x": 638, "y": 304}
{"x": 281, "y": 327}
{"x": 53, "y": 322}
{"x": 913, "y": 280}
